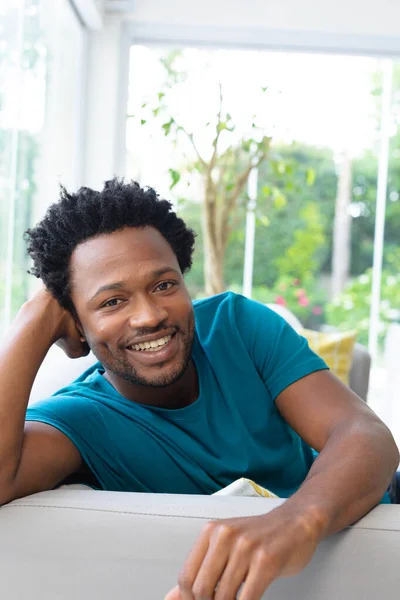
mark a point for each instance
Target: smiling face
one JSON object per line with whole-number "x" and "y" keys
{"x": 133, "y": 306}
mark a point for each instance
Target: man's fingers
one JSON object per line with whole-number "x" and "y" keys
{"x": 193, "y": 563}
{"x": 174, "y": 594}
{"x": 234, "y": 574}
{"x": 213, "y": 564}
{"x": 261, "y": 574}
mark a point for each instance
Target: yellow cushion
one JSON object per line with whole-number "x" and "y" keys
{"x": 335, "y": 348}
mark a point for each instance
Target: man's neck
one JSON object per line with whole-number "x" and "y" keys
{"x": 179, "y": 394}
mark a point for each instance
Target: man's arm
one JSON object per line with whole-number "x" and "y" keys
{"x": 34, "y": 457}
{"x": 357, "y": 460}
{"x": 358, "y": 455}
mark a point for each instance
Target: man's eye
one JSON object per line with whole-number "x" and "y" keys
{"x": 165, "y": 285}
{"x": 112, "y": 302}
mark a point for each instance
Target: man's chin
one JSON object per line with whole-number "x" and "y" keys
{"x": 161, "y": 380}
{"x": 156, "y": 377}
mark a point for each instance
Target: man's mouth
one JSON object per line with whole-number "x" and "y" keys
{"x": 152, "y": 346}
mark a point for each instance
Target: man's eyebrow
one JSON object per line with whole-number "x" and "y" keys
{"x": 164, "y": 270}
{"x": 107, "y": 287}
{"x": 117, "y": 285}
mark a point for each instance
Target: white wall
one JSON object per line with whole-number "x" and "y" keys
{"x": 107, "y": 87}
{"x": 61, "y": 138}
{"x": 357, "y": 26}
{"x": 358, "y": 17}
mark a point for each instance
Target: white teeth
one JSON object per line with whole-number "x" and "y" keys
{"x": 152, "y": 346}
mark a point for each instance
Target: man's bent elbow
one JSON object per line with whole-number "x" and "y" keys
{"x": 7, "y": 493}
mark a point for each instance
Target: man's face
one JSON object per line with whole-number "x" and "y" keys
{"x": 133, "y": 305}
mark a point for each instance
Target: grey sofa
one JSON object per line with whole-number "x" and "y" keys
{"x": 83, "y": 545}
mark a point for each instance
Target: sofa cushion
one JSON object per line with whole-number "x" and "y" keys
{"x": 336, "y": 348}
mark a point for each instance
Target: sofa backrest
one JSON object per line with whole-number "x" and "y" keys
{"x": 87, "y": 544}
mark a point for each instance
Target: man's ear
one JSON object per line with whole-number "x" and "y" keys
{"x": 80, "y": 329}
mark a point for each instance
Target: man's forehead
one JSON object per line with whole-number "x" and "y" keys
{"x": 121, "y": 256}
{"x": 133, "y": 243}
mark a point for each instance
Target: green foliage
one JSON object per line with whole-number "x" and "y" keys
{"x": 305, "y": 299}
{"x": 351, "y": 309}
{"x": 365, "y": 172}
{"x": 299, "y": 259}
{"x": 310, "y": 177}
{"x": 175, "y": 177}
{"x": 190, "y": 212}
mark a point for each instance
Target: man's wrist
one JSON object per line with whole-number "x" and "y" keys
{"x": 42, "y": 312}
{"x": 313, "y": 517}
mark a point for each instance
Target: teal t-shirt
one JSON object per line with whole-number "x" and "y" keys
{"x": 245, "y": 355}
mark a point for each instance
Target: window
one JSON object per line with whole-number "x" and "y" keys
{"x": 316, "y": 189}
{"x": 41, "y": 87}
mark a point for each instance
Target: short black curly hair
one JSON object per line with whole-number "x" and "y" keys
{"x": 86, "y": 214}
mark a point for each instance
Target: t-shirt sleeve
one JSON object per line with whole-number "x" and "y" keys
{"x": 280, "y": 354}
{"x": 76, "y": 417}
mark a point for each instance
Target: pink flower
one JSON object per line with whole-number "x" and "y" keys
{"x": 280, "y": 300}
{"x": 304, "y": 301}
{"x": 317, "y": 310}
{"x": 300, "y": 293}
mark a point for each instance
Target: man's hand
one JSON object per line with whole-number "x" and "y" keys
{"x": 71, "y": 340}
{"x": 66, "y": 334}
{"x": 253, "y": 551}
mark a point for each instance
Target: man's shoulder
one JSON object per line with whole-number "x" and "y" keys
{"x": 78, "y": 393}
{"x": 231, "y": 304}
{"x": 215, "y": 308}
{"x": 213, "y": 301}
{"x": 227, "y": 315}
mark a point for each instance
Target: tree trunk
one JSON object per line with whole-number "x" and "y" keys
{"x": 341, "y": 252}
{"x": 213, "y": 255}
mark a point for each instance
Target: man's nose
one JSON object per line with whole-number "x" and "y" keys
{"x": 147, "y": 314}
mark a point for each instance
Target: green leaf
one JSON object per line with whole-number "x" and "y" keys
{"x": 280, "y": 200}
{"x": 221, "y": 126}
{"x": 266, "y": 190}
{"x": 143, "y": 121}
{"x": 175, "y": 177}
{"x": 289, "y": 169}
{"x": 264, "y": 89}
{"x": 310, "y": 176}
{"x": 264, "y": 220}
{"x": 160, "y": 95}
{"x": 167, "y": 126}
{"x": 265, "y": 143}
{"x": 144, "y": 105}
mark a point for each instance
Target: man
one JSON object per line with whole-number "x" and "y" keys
{"x": 183, "y": 399}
